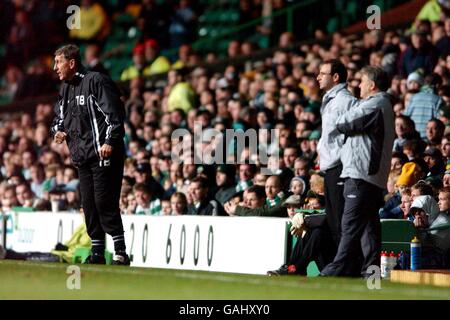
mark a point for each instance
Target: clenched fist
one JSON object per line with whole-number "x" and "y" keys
{"x": 59, "y": 137}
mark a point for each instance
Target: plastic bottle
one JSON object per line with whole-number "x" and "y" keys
{"x": 392, "y": 261}
{"x": 384, "y": 264}
{"x": 416, "y": 251}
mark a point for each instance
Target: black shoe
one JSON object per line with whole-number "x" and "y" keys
{"x": 95, "y": 259}
{"x": 285, "y": 269}
{"x": 121, "y": 259}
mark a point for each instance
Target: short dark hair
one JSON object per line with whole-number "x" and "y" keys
{"x": 337, "y": 67}
{"x": 258, "y": 190}
{"x": 201, "y": 180}
{"x": 439, "y": 124}
{"x": 70, "y": 51}
{"x": 424, "y": 188}
{"x": 378, "y": 76}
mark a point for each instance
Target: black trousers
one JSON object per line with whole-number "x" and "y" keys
{"x": 317, "y": 245}
{"x": 361, "y": 229}
{"x": 334, "y": 201}
{"x": 100, "y": 185}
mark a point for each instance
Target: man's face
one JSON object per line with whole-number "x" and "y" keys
{"x": 142, "y": 198}
{"x": 23, "y": 193}
{"x": 396, "y": 163}
{"x": 325, "y": 78}
{"x": 300, "y": 169}
{"x": 221, "y": 178}
{"x": 141, "y": 177}
{"x": 431, "y": 161}
{"x": 65, "y": 69}
{"x": 444, "y": 201}
{"x": 198, "y": 193}
{"x": 432, "y": 131}
{"x": 406, "y": 204}
{"x": 272, "y": 187}
{"x": 366, "y": 86}
{"x": 291, "y": 210}
{"x": 245, "y": 172}
{"x": 446, "y": 180}
{"x": 414, "y": 194}
{"x": 445, "y": 147}
{"x": 289, "y": 156}
{"x": 260, "y": 180}
{"x": 252, "y": 201}
{"x": 177, "y": 205}
{"x": 421, "y": 219}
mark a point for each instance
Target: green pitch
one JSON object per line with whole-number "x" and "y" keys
{"x": 25, "y": 280}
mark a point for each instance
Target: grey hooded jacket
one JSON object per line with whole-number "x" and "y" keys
{"x": 369, "y": 136}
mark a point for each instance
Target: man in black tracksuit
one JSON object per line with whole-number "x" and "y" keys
{"x": 90, "y": 118}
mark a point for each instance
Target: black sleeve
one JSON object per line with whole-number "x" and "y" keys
{"x": 58, "y": 121}
{"x": 315, "y": 220}
{"x": 109, "y": 102}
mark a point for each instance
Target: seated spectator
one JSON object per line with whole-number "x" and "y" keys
{"x": 155, "y": 63}
{"x": 406, "y": 202}
{"x": 201, "y": 203}
{"x": 146, "y": 204}
{"x": 314, "y": 241}
{"x": 274, "y": 192}
{"x": 254, "y": 197}
{"x": 165, "y": 207}
{"x": 435, "y": 243}
{"x": 178, "y": 204}
{"x": 138, "y": 64}
{"x": 444, "y": 201}
{"x": 425, "y": 105}
{"x": 246, "y": 174}
{"x": 25, "y": 197}
{"x": 297, "y": 186}
{"x": 398, "y": 160}
{"x": 225, "y": 180}
{"x": 8, "y": 198}
{"x": 434, "y": 132}
{"x": 143, "y": 174}
{"x": 314, "y": 201}
{"x": 182, "y": 95}
{"x": 92, "y": 59}
{"x": 404, "y": 130}
{"x": 434, "y": 160}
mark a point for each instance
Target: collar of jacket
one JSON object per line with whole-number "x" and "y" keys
{"x": 334, "y": 91}
{"x": 79, "y": 75}
{"x": 375, "y": 95}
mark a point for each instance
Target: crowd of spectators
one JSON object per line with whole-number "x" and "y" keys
{"x": 281, "y": 92}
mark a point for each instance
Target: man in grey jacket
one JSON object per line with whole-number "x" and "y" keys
{"x": 337, "y": 100}
{"x": 366, "y": 158}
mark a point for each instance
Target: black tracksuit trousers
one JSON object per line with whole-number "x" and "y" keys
{"x": 361, "y": 229}
{"x": 100, "y": 184}
{"x": 334, "y": 201}
{"x": 317, "y": 245}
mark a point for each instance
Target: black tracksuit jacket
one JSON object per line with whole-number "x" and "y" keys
{"x": 89, "y": 110}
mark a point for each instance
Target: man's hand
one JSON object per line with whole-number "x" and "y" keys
{"x": 59, "y": 137}
{"x": 106, "y": 151}
{"x": 230, "y": 208}
{"x": 298, "y": 224}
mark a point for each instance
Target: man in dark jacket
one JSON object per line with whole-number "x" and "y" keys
{"x": 202, "y": 204}
{"x": 90, "y": 118}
